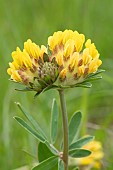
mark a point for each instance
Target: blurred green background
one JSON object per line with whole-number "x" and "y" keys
{"x": 37, "y": 19}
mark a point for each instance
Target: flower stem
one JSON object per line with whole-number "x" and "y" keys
{"x": 65, "y": 128}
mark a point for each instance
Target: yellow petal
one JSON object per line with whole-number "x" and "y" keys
{"x": 9, "y": 71}
{"x": 63, "y": 74}
{"x": 15, "y": 76}
{"x": 16, "y": 55}
{"x": 94, "y": 64}
{"x": 42, "y": 51}
{"x": 86, "y": 56}
{"x": 74, "y": 60}
{"x": 67, "y": 34}
{"x": 55, "y": 40}
{"x": 26, "y": 59}
{"x": 92, "y": 49}
{"x": 81, "y": 70}
{"x": 86, "y": 161}
{"x": 79, "y": 41}
{"x": 32, "y": 49}
{"x": 69, "y": 48}
{"x": 59, "y": 58}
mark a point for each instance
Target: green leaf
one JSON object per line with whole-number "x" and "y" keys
{"x": 29, "y": 129}
{"x": 91, "y": 77}
{"x": 45, "y": 89}
{"x": 43, "y": 152}
{"x": 84, "y": 84}
{"x": 47, "y": 164}
{"x": 94, "y": 74}
{"x": 50, "y": 87}
{"x": 38, "y": 93}
{"x": 95, "y": 78}
{"x": 32, "y": 120}
{"x": 77, "y": 168}
{"x": 35, "y": 134}
{"x": 74, "y": 126}
{"x": 24, "y": 89}
{"x": 52, "y": 148}
{"x": 81, "y": 142}
{"x": 60, "y": 165}
{"x": 79, "y": 153}
{"x": 54, "y": 121}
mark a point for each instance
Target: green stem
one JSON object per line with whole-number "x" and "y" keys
{"x": 65, "y": 128}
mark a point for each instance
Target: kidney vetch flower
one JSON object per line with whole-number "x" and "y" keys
{"x": 94, "y": 160}
{"x": 62, "y": 64}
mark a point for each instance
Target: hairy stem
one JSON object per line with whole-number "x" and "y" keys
{"x": 65, "y": 128}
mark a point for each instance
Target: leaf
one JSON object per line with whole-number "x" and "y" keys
{"x": 77, "y": 168}
{"x": 43, "y": 152}
{"x": 54, "y": 121}
{"x": 32, "y": 120}
{"x": 79, "y": 153}
{"x": 29, "y": 129}
{"x": 45, "y": 89}
{"x": 52, "y": 148}
{"x": 94, "y": 74}
{"x": 84, "y": 84}
{"x": 47, "y": 164}
{"x": 37, "y": 94}
{"x": 25, "y": 89}
{"x": 34, "y": 133}
{"x": 60, "y": 165}
{"x": 91, "y": 77}
{"x": 50, "y": 87}
{"x": 95, "y": 78}
{"x": 74, "y": 126}
{"x": 81, "y": 142}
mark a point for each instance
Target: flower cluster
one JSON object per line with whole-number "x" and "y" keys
{"x": 62, "y": 63}
{"x": 74, "y": 65}
{"x": 29, "y": 68}
{"x": 94, "y": 160}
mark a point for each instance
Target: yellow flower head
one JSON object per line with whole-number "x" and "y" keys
{"x": 28, "y": 66}
{"x": 94, "y": 160}
{"x": 63, "y": 64}
{"x": 74, "y": 65}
